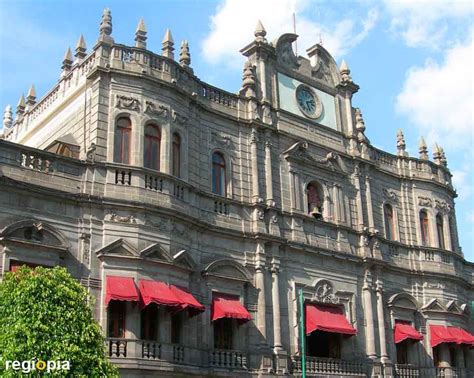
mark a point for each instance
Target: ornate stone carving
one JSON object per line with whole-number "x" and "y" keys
{"x": 284, "y": 50}
{"x": 156, "y": 110}
{"x": 179, "y": 118}
{"x": 425, "y": 201}
{"x": 128, "y": 102}
{"x": 90, "y": 154}
{"x": 390, "y": 194}
{"x": 159, "y": 223}
{"x": 443, "y": 205}
{"x": 86, "y": 247}
{"x": 114, "y": 217}
{"x": 323, "y": 293}
{"x": 260, "y": 215}
{"x": 220, "y": 140}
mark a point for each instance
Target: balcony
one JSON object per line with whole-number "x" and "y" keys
{"x": 329, "y": 367}
{"x": 228, "y": 359}
{"x": 408, "y": 371}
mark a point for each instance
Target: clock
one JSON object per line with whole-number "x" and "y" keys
{"x": 308, "y": 102}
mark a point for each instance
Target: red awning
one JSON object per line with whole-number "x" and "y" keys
{"x": 404, "y": 331}
{"x": 461, "y": 336}
{"x": 120, "y": 289}
{"x": 328, "y": 319}
{"x": 157, "y": 292}
{"x": 187, "y": 300}
{"x": 440, "y": 334}
{"x": 226, "y": 306}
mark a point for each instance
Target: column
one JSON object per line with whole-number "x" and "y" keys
{"x": 254, "y": 164}
{"x": 260, "y": 285}
{"x": 348, "y": 106}
{"x": 381, "y": 320}
{"x": 360, "y": 213}
{"x": 369, "y": 315}
{"x": 268, "y": 170}
{"x": 276, "y": 305}
{"x": 370, "y": 211}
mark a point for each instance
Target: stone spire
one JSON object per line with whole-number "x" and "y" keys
{"x": 7, "y": 118}
{"x": 140, "y": 35}
{"x": 67, "y": 60}
{"x": 106, "y": 27}
{"x": 260, "y": 32}
{"x": 20, "y": 108}
{"x": 437, "y": 153}
{"x": 401, "y": 145}
{"x": 81, "y": 48}
{"x": 443, "y": 159}
{"x": 345, "y": 72}
{"x": 423, "y": 149}
{"x": 184, "y": 56}
{"x": 168, "y": 43}
{"x": 248, "y": 80}
{"x": 31, "y": 96}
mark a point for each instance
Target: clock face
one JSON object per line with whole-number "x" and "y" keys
{"x": 308, "y": 102}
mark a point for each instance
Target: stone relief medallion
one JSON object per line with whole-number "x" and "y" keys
{"x": 324, "y": 293}
{"x": 308, "y": 102}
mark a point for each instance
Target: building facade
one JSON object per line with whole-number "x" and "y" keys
{"x": 197, "y": 217}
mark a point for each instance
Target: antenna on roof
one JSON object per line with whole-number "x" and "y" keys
{"x": 294, "y": 31}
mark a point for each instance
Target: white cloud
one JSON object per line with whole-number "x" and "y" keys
{"x": 424, "y": 23}
{"x": 438, "y": 98}
{"x": 462, "y": 181}
{"x": 233, "y": 24}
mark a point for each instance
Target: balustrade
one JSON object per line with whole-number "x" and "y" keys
{"x": 178, "y": 353}
{"x": 117, "y": 348}
{"x": 329, "y": 366}
{"x": 151, "y": 350}
{"x": 407, "y": 371}
{"x": 230, "y": 359}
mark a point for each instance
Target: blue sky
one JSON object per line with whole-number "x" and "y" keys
{"x": 412, "y": 59}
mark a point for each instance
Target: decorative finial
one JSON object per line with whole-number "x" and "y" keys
{"x": 345, "y": 72}
{"x": 81, "y": 48}
{"x": 106, "y": 27}
{"x": 437, "y": 153}
{"x": 31, "y": 96}
{"x": 168, "y": 43}
{"x": 423, "y": 149}
{"x": 248, "y": 80}
{"x": 67, "y": 60}
{"x": 184, "y": 56}
{"x": 7, "y": 118}
{"x": 401, "y": 145}
{"x": 260, "y": 32}
{"x": 140, "y": 35}
{"x": 443, "y": 159}
{"x": 360, "y": 124}
{"x": 20, "y": 108}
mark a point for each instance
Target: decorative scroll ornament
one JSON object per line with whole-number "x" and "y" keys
{"x": 425, "y": 201}
{"x": 179, "y": 118}
{"x": 113, "y": 217}
{"x": 220, "y": 140}
{"x": 324, "y": 293}
{"x": 156, "y": 110}
{"x": 128, "y": 102}
{"x": 443, "y": 205}
{"x": 90, "y": 154}
{"x": 390, "y": 194}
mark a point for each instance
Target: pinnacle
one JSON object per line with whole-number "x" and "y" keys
{"x": 344, "y": 66}
{"x": 422, "y": 142}
{"x": 68, "y": 55}
{"x": 31, "y": 92}
{"x": 260, "y": 30}
{"x": 81, "y": 43}
{"x": 168, "y": 37}
{"x": 21, "y": 102}
{"x": 141, "y": 26}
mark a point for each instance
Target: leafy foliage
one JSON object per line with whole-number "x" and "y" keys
{"x": 46, "y": 314}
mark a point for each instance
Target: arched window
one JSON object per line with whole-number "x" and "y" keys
{"x": 440, "y": 229}
{"x": 152, "y": 147}
{"x": 176, "y": 154}
{"x": 425, "y": 233}
{"x": 218, "y": 174}
{"x": 389, "y": 222}
{"x": 315, "y": 203}
{"x": 123, "y": 132}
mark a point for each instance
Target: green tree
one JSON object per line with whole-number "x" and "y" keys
{"x": 46, "y": 314}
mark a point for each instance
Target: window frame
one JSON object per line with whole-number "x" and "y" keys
{"x": 148, "y": 145}
{"x": 319, "y": 192}
{"x": 224, "y": 333}
{"x": 176, "y": 144}
{"x": 389, "y": 222}
{"x": 219, "y": 174}
{"x": 424, "y": 228}
{"x": 149, "y": 324}
{"x": 123, "y": 140}
{"x": 116, "y": 319}
{"x": 440, "y": 231}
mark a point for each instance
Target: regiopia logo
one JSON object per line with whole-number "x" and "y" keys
{"x": 35, "y": 364}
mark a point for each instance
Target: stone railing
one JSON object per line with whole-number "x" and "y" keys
{"x": 151, "y": 350}
{"x": 406, "y": 371}
{"x": 329, "y": 367}
{"x": 117, "y": 348}
{"x": 178, "y": 353}
{"x": 228, "y": 359}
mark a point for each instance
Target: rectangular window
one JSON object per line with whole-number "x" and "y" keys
{"x": 324, "y": 344}
{"x": 176, "y": 326}
{"x": 402, "y": 353}
{"x": 149, "y": 322}
{"x": 116, "y": 319}
{"x": 223, "y": 333}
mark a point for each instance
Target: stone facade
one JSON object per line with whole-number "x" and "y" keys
{"x": 265, "y": 238}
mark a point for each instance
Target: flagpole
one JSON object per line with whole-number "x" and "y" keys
{"x": 302, "y": 335}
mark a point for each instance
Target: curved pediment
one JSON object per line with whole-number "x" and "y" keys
{"x": 403, "y": 300}
{"x": 33, "y": 231}
{"x": 227, "y": 268}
